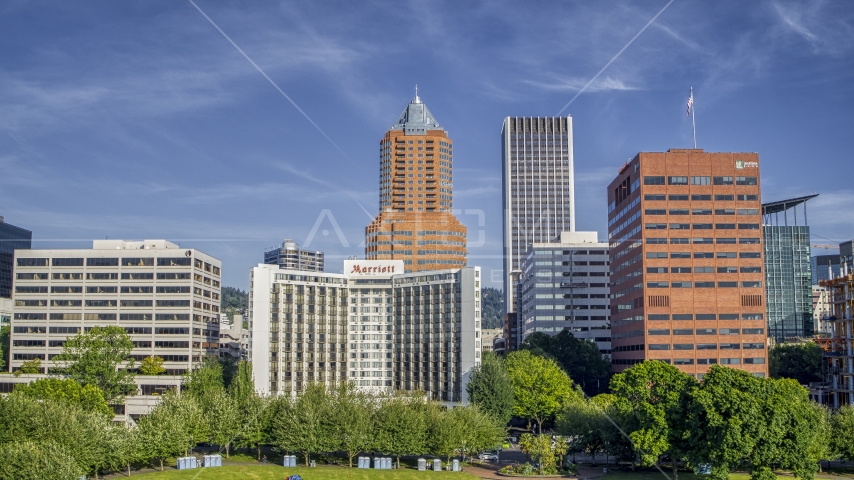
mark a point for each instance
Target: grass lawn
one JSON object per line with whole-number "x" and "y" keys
{"x": 264, "y": 472}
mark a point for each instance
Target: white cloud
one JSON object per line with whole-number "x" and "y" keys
{"x": 792, "y": 18}
{"x": 605, "y": 84}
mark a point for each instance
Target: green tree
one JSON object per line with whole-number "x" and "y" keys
{"x": 233, "y": 301}
{"x": 127, "y": 448}
{"x": 842, "y": 439}
{"x": 206, "y": 388}
{"x": 546, "y": 453}
{"x": 29, "y": 460}
{"x": 30, "y": 367}
{"x": 87, "y": 397}
{"x": 205, "y": 379}
{"x": 353, "y": 413}
{"x": 152, "y": 365}
{"x": 400, "y": 426}
{"x": 737, "y": 419}
{"x": 444, "y": 432}
{"x": 492, "y": 302}
{"x": 229, "y": 369}
{"x": 490, "y": 387}
{"x": 80, "y": 433}
{"x": 540, "y": 387}
{"x": 242, "y": 386}
{"x": 652, "y": 398}
{"x": 100, "y": 357}
{"x": 256, "y": 417}
{"x": 305, "y": 424}
{"x": 225, "y": 420}
{"x": 171, "y": 429}
{"x": 588, "y": 426}
{"x": 580, "y": 359}
{"x": 799, "y": 361}
{"x": 479, "y": 430}
{"x": 5, "y": 337}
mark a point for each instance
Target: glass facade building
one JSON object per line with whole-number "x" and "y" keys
{"x": 788, "y": 269}
{"x": 824, "y": 267}
{"x": 788, "y": 282}
{"x": 11, "y": 238}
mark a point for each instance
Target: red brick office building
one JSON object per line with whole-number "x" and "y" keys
{"x": 684, "y": 228}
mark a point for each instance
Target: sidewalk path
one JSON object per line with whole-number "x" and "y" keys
{"x": 489, "y": 472}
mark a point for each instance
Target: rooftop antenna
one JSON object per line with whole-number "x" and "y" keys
{"x": 417, "y": 100}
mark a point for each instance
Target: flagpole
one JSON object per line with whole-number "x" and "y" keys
{"x": 693, "y": 124}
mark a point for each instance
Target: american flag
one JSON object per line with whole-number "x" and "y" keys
{"x": 690, "y": 102}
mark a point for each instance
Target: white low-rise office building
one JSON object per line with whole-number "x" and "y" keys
{"x": 373, "y": 325}
{"x": 564, "y": 286}
{"x": 166, "y": 297}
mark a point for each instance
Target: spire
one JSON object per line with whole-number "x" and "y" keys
{"x": 416, "y": 119}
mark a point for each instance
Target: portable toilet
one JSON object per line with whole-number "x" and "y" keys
{"x": 456, "y": 465}
{"x": 437, "y": 465}
{"x": 378, "y": 463}
{"x": 422, "y": 465}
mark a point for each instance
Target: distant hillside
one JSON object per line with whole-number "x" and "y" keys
{"x": 492, "y": 311}
{"x": 233, "y": 299}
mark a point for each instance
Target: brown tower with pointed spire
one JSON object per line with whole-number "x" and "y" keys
{"x": 416, "y": 223}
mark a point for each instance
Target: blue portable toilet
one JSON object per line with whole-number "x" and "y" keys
{"x": 456, "y": 465}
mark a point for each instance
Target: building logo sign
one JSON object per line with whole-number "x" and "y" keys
{"x": 372, "y": 269}
{"x": 358, "y": 268}
{"x": 741, "y": 164}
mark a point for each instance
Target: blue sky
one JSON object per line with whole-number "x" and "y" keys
{"x": 140, "y": 120}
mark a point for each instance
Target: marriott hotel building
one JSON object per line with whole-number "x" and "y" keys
{"x": 374, "y": 325}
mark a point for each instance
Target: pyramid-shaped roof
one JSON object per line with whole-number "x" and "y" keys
{"x": 416, "y": 119}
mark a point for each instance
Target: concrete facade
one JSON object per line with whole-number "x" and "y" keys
{"x": 538, "y": 189}
{"x": 686, "y": 261}
{"x": 564, "y": 286}
{"x": 291, "y": 257}
{"x": 233, "y": 339}
{"x": 166, "y": 297}
{"x": 822, "y": 310}
{"x": 839, "y": 347}
{"x": 374, "y": 325}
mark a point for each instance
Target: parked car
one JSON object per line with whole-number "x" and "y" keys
{"x": 488, "y": 456}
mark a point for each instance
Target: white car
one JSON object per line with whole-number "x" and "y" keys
{"x": 486, "y": 456}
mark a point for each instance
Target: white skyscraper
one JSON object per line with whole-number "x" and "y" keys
{"x": 538, "y": 188}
